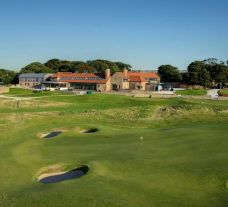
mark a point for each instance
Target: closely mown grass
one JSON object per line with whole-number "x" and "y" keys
{"x": 20, "y": 92}
{"x": 192, "y": 92}
{"x": 181, "y": 161}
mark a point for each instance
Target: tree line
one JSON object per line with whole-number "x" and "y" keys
{"x": 207, "y": 73}
{"x": 56, "y": 65}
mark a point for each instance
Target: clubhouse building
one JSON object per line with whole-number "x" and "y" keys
{"x": 80, "y": 81}
{"x": 124, "y": 80}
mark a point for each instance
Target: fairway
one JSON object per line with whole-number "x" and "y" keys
{"x": 140, "y": 152}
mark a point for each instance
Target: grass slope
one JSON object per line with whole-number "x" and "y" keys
{"x": 182, "y": 160}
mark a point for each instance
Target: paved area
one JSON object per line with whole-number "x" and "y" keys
{"x": 212, "y": 92}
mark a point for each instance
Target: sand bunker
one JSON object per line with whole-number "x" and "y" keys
{"x": 49, "y": 178}
{"x": 51, "y": 134}
{"x": 88, "y": 131}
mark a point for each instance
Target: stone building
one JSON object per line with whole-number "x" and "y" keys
{"x": 33, "y": 80}
{"x": 134, "y": 80}
{"x": 124, "y": 80}
{"x": 80, "y": 81}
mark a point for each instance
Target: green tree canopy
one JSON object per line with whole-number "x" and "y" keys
{"x": 90, "y": 66}
{"x": 36, "y": 67}
{"x": 199, "y": 74}
{"x": 8, "y": 77}
{"x": 122, "y": 66}
{"x": 54, "y": 64}
{"x": 169, "y": 73}
{"x": 218, "y": 71}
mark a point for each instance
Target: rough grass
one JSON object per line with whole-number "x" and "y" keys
{"x": 182, "y": 160}
{"x": 192, "y": 92}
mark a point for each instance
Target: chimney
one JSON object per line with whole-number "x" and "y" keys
{"x": 125, "y": 72}
{"x": 107, "y": 73}
{"x": 57, "y": 76}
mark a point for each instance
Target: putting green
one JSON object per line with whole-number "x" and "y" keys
{"x": 181, "y": 160}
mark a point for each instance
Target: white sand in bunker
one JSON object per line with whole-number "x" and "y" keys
{"x": 56, "y": 132}
{"x": 53, "y": 133}
{"x": 87, "y": 131}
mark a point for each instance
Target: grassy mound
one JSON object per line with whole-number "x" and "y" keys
{"x": 57, "y": 168}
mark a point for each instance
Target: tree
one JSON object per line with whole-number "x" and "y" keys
{"x": 122, "y": 66}
{"x": 185, "y": 77}
{"x": 8, "y": 77}
{"x": 218, "y": 72}
{"x": 102, "y": 65}
{"x": 99, "y": 65}
{"x": 169, "y": 73}
{"x": 57, "y": 65}
{"x": 54, "y": 64}
{"x": 199, "y": 74}
{"x": 36, "y": 67}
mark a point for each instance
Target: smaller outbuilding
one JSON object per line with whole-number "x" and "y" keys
{"x": 33, "y": 80}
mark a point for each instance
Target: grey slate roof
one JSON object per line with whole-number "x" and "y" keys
{"x": 33, "y": 75}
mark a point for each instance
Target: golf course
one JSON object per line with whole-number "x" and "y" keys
{"x": 118, "y": 150}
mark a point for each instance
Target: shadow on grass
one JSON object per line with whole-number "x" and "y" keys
{"x": 88, "y": 131}
{"x": 52, "y": 134}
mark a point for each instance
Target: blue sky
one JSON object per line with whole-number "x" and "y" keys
{"x": 143, "y": 33}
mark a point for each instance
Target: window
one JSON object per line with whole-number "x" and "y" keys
{"x": 125, "y": 80}
{"x": 152, "y": 79}
{"x": 84, "y": 86}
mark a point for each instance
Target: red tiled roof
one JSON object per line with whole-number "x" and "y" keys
{"x": 80, "y": 78}
{"x": 134, "y": 78}
{"x": 62, "y": 74}
{"x": 139, "y": 76}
